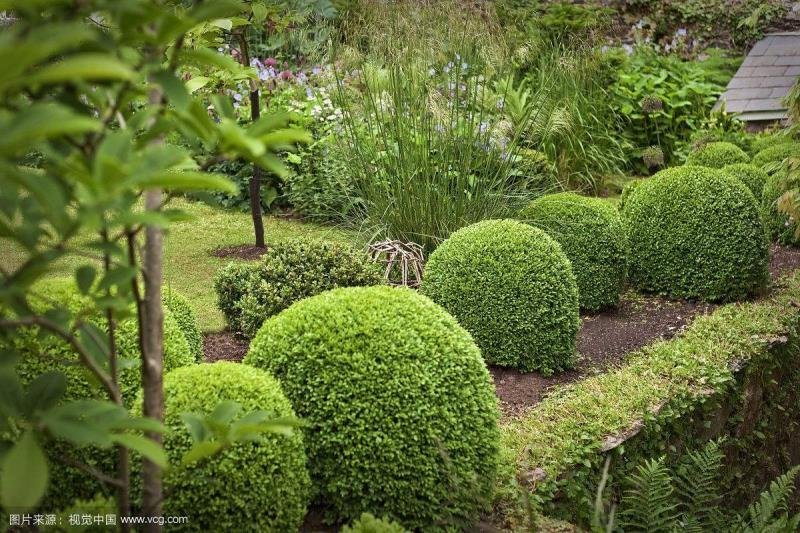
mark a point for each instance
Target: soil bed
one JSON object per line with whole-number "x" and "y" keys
{"x": 603, "y": 340}
{"x": 248, "y": 252}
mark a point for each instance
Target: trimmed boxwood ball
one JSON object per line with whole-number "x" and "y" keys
{"x": 40, "y": 354}
{"x": 592, "y": 235}
{"x": 772, "y": 156}
{"x": 717, "y": 155}
{"x": 401, "y": 410}
{"x": 263, "y": 484}
{"x": 187, "y": 320}
{"x": 512, "y": 287}
{"x": 760, "y": 142}
{"x": 752, "y": 176}
{"x": 696, "y": 233}
{"x": 779, "y": 227}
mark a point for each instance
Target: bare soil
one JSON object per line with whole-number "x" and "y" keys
{"x": 248, "y": 252}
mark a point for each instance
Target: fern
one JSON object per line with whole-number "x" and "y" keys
{"x": 697, "y": 485}
{"x": 771, "y": 511}
{"x": 649, "y": 503}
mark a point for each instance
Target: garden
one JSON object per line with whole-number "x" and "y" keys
{"x": 380, "y": 266}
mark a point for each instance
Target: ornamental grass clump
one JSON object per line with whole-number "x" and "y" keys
{"x": 401, "y": 410}
{"x": 592, "y": 235}
{"x": 695, "y": 232}
{"x": 262, "y": 483}
{"x": 512, "y": 287}
{"x": 717, "y": 155}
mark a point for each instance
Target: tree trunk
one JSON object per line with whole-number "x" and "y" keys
{"x": 152, "y": 330}
{"x": 255, "y": 181}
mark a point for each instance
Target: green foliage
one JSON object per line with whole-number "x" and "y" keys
{"x": 184, "y": 316}
{"x": 99, "y": 505}
{"x": 261, "y": 480}
{"x": 286, "y": 273}
{"x": 512, "y": 287}
{"x": 771, "y": 511}
{"x": 717, "y": 155}
{"x": 775, "y": 155}
{"x": 647, "y": 504}
{"x": 367, "y": 523}
{"x": 779, "y": 226}
{"x": 695, "y": 232}
{"x": 627, "y": 190}
{"x": 592, "y": 236}
{"x": 752, "y": 176}
{"x": 388, "y": 376}
{"x": 764, "y": 141}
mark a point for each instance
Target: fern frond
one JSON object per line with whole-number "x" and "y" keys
{"x": 697, "y": 484}
{"x": 649, "y": 503}
{"x": 770, "y": 512}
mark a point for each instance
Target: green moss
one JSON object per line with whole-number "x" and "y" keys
{"x": 591, "y": 234}
{"x": 717, "y": 155}
{"x": 512, "y": 287}
{"x": 186, "y": 319}
{"x": 401, "y": 409}
{"x": 779, "y": 226}
{"x": 752, "y": 176}
{"x": 696, "y": 233}
{"x": 263, "y": 484}
{"x": 772, "y": 156}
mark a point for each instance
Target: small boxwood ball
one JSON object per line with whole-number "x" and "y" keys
{"x": 780, "y": 227}
{"x": 512, "y": 287}
{"x": 186, "y": 319}
{"x": 45, "y": 353}
{"x": 592, "y": 235}
{"x": 696, "y": 233}
{"x": 263, "y": 484}
{"x": 752, "y": 176}
{"x": 772, "y": 156}
{"x": 717, "y": 155}
{"x": 401, "y": 410}
{"x": 762, "y": 141}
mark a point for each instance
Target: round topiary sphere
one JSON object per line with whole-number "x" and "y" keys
{"x": 772, "y": 156}
{"x": 717, "y": 155}
{"x": 752, "y": 176}
{"x": 186, "y": 319}
{"x": 263, "y": 484}
{"x": 592, "y": 235}
{"x": 779, "y": 227}
{"x": 401, "y": 411}
{"x": 762, "y": 141}
{"x": 45, "y": 353}
{"x": 696, "y": 233}
{"x": 512, "y": 287}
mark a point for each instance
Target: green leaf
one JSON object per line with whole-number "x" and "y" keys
{"x": 147, "y": 447}
{"x": 10, "y": 393}
{"x": 196, "y": 83}
{"x": 44, "y": 392}
{"x": 23, "y": 478}
{"x": 121, "y": 275}
{"x": 225, "y": 411}
{"x": 88, "y": 66}
{"x": 201, "y": 450}
{"x": 196, "y": 426}
{"x": 84, "y": 277}
{"x": 186, "y": 181}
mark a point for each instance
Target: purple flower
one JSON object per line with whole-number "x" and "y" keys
{"x": 309, "y": 93}
{"x": 238, "y": 97}
{"x": 286, "y": 75}
{"x": 316, "y": 70}
{"x": 271, "y": 62}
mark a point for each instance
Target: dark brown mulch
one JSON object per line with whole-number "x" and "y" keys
{"x": 603, "y": 341}
{"x": 224, "y": 346}
{"x": 247, "y": 252}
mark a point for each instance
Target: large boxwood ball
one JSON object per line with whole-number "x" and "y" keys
{"x": 779, "y": 226}
{"x": 696, "y": 233}
{"x": 45, "y": 353}
{"x": 592, "y": 235}
{"x": 772, "y": 156}
{"x": 512, "y": 287}
{"x": 752, "y": 176}
{"x": 264, "y": 483}
{"x": 717, "y": 155}
{"x": 401, "y": 410}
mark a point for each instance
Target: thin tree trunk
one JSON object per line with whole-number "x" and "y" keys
{"x": 255, "y": 181}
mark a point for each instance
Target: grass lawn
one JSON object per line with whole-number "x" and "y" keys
{"x": 189, "y": 266}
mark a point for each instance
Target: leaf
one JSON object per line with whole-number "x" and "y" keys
{"x": 196, "y": 83}
{"x": 44, "y": 392}
{"x": 196, "y": 426}
{"x": 225, "y": 411}
{"x": 121, "y": 275}
{"x": 225, "y": 24}
{"x": 88, "y": 66}
{"x": 201, "y": 450}
{"x": 10, "y": 393}
{"x": 147, "y": 447}
{"x": 186, "y": 181}
{"x": 23, "y": 478}
{"x": 84, "y": 277}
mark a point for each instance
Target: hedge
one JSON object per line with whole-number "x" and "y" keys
{"x": 752, "y": 176}
{"x": 717, "y": 155}
{"x": 779, "y": 227}
{"x": 696, "y": 233}
{"x": 263, "y": 483}
{"x": 593, "y": 237}
{"x": 184, "y": 315}
{"x": 512, "y": 287}
{"x": 401, "y": 411}
{"x": 732, "y": 373}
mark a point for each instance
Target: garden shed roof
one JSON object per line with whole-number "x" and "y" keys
{"x": 767, "y": 74}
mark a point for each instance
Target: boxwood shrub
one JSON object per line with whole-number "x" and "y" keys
{"x": 762, "y": 141}
{"x": 289, "y": 272}
{"x": 264, "y": 483}
{"x": 367, "y": 523}
{"x": 626, "y": 192}
{"x": 512, "y": 287}
{"x": 780, "y": 227}
{"x": 696, "y": 233}
{"x": 231, "y": 283}
{"x": 752, "y": 176}
{"x": 774, "y": 155}
{"x": 717, "y": 155}
{"x": 401, "y": 410}
{"x": 186, "y": 319}
{"x": 44, "y": 353}
{"x": 592, "y": 235}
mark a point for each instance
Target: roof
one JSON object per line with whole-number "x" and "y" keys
{"x": 767, "y": 74}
